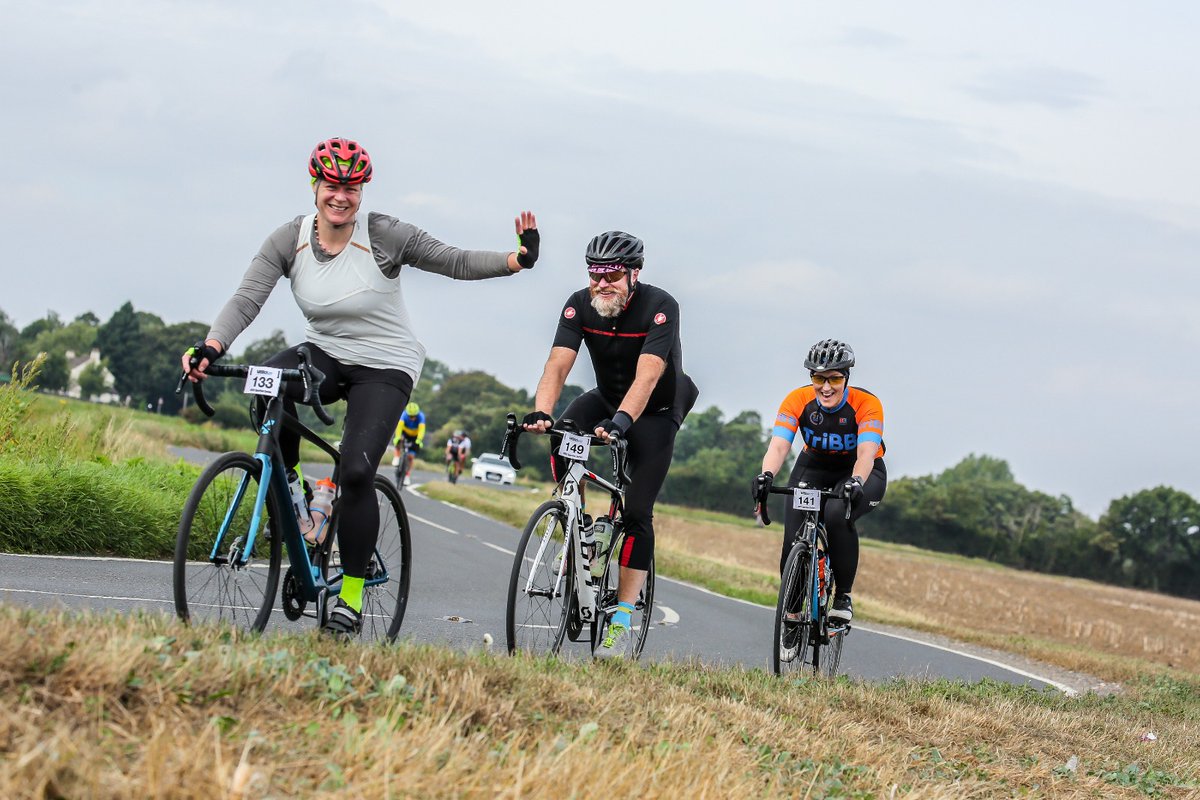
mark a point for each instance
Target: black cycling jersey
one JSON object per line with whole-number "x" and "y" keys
{"x": 649, "y": 324}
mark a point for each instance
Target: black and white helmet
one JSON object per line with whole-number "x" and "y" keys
{"x": 617, "y": 248}
{"x": 829, "y": 354}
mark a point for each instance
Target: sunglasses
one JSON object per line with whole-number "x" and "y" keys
{"x": 832, "y": 380}
{"x": 612, "y": 276}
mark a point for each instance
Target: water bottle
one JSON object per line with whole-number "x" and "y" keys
{"x": 321, "y": 509}
{"x": 602, "y": 532}
{"x": 299, "y": 502}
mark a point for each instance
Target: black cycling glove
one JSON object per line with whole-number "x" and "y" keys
{"x": 200, "y": 351}
{"x": 852, "y": 491}
{"x": 619, "y": 423}
{"x": 760, "y": 486}
{"x": 531, "y": 240}
{"x": 534, "y": 417}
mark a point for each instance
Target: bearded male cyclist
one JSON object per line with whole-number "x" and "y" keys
{"x": 344, "y": 269}
{"x": 631, "y": 330}
{"x": 842, "y": 431}
{"x": 410, "y": 438}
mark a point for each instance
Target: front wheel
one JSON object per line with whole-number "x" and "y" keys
{"x": 541, "y": 584}
{"x": 606, "y": 603}
{"x": 793, "y": 615}
{"x": 227, "y": 566}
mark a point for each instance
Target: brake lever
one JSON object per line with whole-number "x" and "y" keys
{"x": 312, "y": 379}
{"x": 512, "y": 432}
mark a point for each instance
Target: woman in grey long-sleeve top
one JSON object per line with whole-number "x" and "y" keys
{"x": 344, "y": 272}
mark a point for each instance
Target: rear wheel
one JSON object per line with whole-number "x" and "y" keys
{"x": 793, "y": 615}
{"x": 219, "y": 576}
{"x": 385, "y": 601}
{"x": 541, "y": 583}
{"x": 606, "y": 602}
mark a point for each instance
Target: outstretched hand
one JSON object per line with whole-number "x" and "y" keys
{"x": 528, "y": 239}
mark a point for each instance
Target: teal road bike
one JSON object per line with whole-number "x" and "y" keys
{"x": 238, "y": 521}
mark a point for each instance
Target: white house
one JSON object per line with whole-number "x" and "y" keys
{"x": 76, "y": 364}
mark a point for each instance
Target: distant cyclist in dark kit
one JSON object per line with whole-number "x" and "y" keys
{"x": 631, "y": 330}
{"x": 841, "y": 428}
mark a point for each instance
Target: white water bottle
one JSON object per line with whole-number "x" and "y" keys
{"x": 602, "y": 531}
{"x": 321, "y": 509}
{"x": 299, "y": 503}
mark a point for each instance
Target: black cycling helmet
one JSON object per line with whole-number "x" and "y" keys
{"x": 617, "y": 248}
{"x": 829, "y": 354}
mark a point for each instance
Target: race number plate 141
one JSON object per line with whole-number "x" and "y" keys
{"x": 264, "y": 381}
{"x": 806, "y": 499}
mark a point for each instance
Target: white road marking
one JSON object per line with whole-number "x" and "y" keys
{"x": 670, "y": 617}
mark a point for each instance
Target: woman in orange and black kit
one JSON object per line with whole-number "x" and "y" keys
{"x": 842, "y": 431}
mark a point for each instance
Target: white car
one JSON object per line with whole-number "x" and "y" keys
{"x": 491, "y": 468}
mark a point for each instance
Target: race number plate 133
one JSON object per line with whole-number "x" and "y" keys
{"x": 264, "y": 381}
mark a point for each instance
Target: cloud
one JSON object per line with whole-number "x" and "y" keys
{"x": 1045, "y": 86}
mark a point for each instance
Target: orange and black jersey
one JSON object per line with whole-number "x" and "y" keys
{"x": 831, "y": 436}
{"x": 649, "y": 324}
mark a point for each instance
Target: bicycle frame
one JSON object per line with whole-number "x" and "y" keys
{"x": 274, "y": 479}
{"x": 569, "y": 492}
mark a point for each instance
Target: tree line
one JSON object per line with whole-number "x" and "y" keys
{"x": 1147, "y": 540}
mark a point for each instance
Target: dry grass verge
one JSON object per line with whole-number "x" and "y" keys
{"x": 109, "y": 706}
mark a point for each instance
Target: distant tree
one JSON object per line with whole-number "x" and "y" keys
{"x": 9, "y": 337}
{"x": 569, "y": 392}
{"x": 92, "y": 381}
{"x": 121, "y": 345}
{"x": 257, "y": 352}
{"x": 50, "y": 322}
{"x": 55, "y": 375}
{"x": 1158, "y": 536}
{"x": 89, "y": 319}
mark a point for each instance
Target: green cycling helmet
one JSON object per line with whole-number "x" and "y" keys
{"x": 412, "y": 409}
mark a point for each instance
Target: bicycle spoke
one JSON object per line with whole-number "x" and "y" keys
{"x": 539, "y": 588}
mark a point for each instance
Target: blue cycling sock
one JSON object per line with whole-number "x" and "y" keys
{"x": 622, "y": 615}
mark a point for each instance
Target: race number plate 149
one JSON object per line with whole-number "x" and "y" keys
{"x": 574, "y": 447}
{"x": 264, "y": 381}
{"x": 806, "y": 499}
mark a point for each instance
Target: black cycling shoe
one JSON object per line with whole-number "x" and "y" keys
{"x": 842, "y": 611}
{"x": 344, "y": 622}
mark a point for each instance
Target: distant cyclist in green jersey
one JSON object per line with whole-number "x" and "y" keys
{"x": 410, "y": 438}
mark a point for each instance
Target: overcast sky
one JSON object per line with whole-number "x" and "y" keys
{"x": 993, "y": 202}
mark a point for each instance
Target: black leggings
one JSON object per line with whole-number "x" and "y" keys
{"x": 374, "y": 400}
{"x": 651, "y": 444}
{"x": 843, "y": 536}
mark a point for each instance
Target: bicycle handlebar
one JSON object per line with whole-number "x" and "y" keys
{"x": 788, "y": 490}
{"x": 617, "y": 444}
{"x": 307, "y": 373}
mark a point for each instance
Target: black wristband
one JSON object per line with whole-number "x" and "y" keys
{"x": 622, "y": 422}
{"x": 202, "y": 350}
{"x": 531, "y": 240}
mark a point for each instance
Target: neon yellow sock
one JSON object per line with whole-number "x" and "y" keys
{"x": 351, "y": 593}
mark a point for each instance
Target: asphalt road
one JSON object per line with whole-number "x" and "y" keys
{"x": 461, "y": 568}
